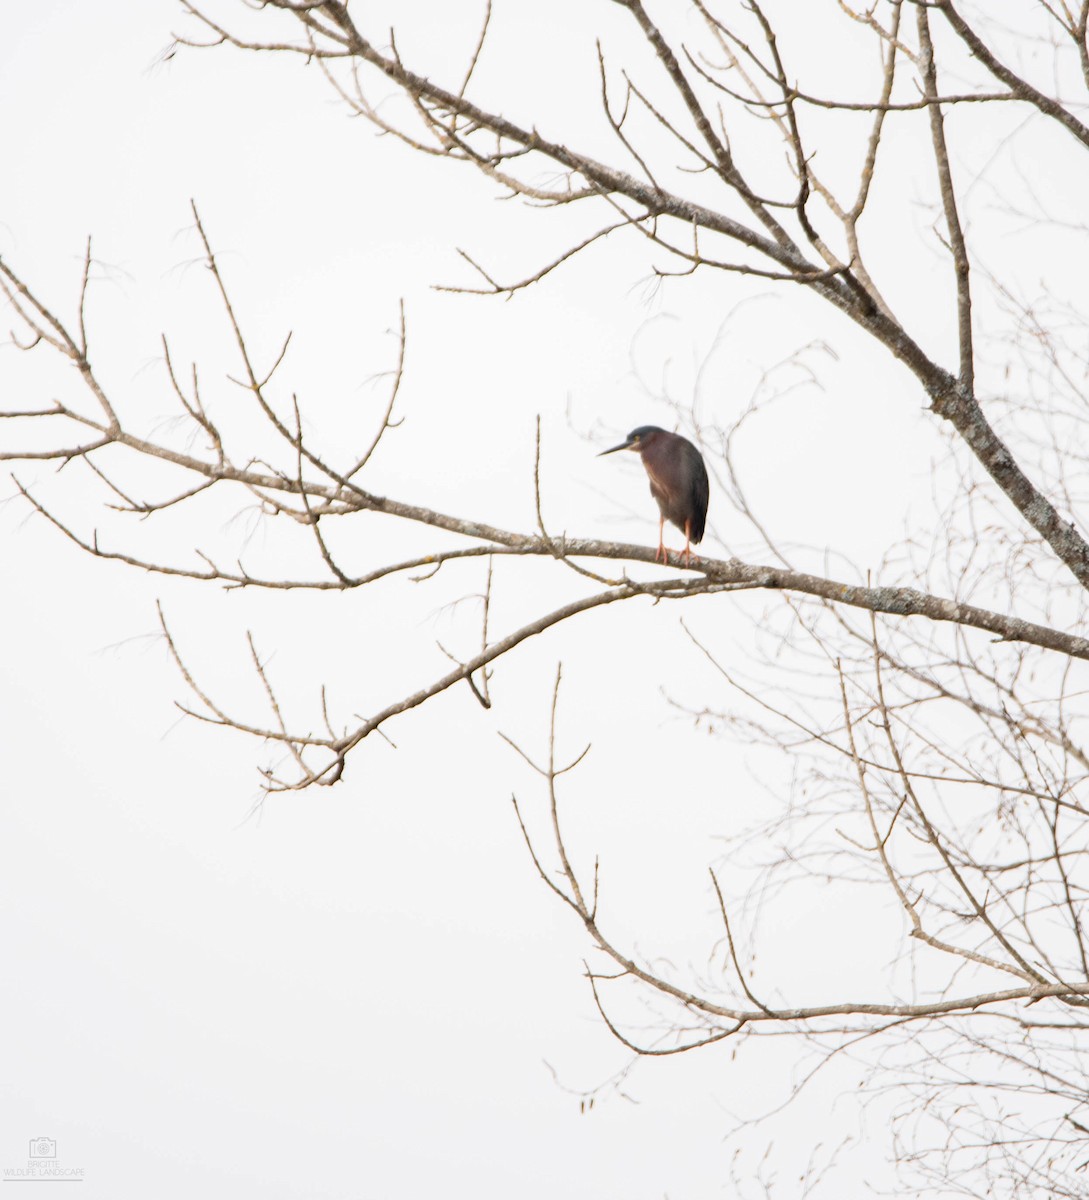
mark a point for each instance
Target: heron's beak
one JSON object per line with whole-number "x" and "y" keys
{"x": 623, "y": 446}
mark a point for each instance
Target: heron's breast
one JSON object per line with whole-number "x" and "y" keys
{"x": 660, "y": 480}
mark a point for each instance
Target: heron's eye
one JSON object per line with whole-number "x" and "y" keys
{"x": 635, "y": 440}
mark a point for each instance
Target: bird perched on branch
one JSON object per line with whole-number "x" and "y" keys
{"x": 678, "y": 481}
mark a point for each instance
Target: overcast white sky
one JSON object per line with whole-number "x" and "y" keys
{"x": 356, "y": 992}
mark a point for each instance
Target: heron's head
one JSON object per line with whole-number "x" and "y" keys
{"x": 638, "y": 439}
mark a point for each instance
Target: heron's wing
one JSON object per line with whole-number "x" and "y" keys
{"x": 699, "y": 495}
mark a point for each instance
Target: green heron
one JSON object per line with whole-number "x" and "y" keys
{"x": 678, "y": 481}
